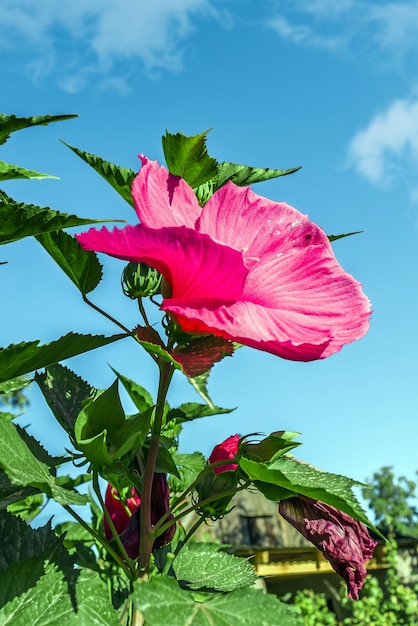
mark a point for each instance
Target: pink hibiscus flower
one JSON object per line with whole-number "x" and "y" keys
{"x": 242, "y": 267}
{"x": 225, "y": 451}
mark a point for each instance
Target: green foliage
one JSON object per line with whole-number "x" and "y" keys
{"x": 27, "y": 464}
{"x": 120, "y": 178}
{"x": 81, "y": 266}
{"x": 392, "y": 501}
{"x": 163, "y": 602}
{"x": 11, "y": 123}
{"x": 13, "y": 172}
{"x": 188, "y": 157}
{"x": 25, "y": 357}
{"x": 19, "y": 220}
{"x": 203, "y": 566}
{"x": 243, "y": 175}
{"x": 301, "y": 478}
{"x": 313, "y": 609}
{"x": 65, "y": 394}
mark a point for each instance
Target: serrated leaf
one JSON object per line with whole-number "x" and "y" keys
{"x": 28, "y": 508}
{"x": 274, "y": 446}
{"x": 105, "y": 411}
{"x": 131, "y": 434}
{"x": 7, "y": 416}
{"x": 81, "y": 266}
{"x": 139, "y": 395}
{"x": 25, "y": 357}
{"x": 11, "y": 123}
{"x": 203, "y": 566}
{"x": 201, "y": 353}
{"x": 165, "y": 463}
{"x": 20, "y": 542}
{"x": 189, "y": 411}
{"x": 120, "y": 178}
{"x": 188, "y": 466}
{"x": 23, "y": 460}
{"x": 19, "y": 220}
{"x": 65, "y": 393}
{"x": 336, "y": 237}
{"x": 301, "y": 478}
{"x": 163, "y": 602}
{"x": 200, "y": 384}
{"x": 56, "y": 597}
{"x": 10, "y": 493}
{"x": 15, "y": 384}
{"x": 188, "y": 157}
{"x": 244, "y": 175}
{"x": 13, "y": 172}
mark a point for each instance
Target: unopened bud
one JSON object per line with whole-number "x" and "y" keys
{"x": 139, "y": 280}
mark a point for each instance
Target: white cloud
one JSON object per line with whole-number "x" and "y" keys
{"x": 389, "y": 144}
{"x": 100, "y": 33}
{"x": 384, "y": 31}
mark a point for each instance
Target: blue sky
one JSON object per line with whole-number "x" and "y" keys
{"x": 329, "y": 86}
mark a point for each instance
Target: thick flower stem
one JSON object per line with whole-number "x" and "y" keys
{"x": 147, "y": 537}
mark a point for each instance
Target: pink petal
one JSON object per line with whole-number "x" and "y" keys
{"x": 194, "y": 266}
{"x": 162, "y": 199}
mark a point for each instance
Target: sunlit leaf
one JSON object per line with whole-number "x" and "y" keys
{"x": 18, "y": 220}
{"x": 120, "y": 178}
{"x": 12, "y": 172}
{"x": 188, "y": 157}
{"x": 81, "y": 266}
{"x": 25, "y": 357}
{"x": 11, "y": 123}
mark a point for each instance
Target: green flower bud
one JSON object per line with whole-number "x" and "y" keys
{"x": 139, "y": 280}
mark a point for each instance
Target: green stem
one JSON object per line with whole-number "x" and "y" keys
{"x": 98, "y": 538}
{"x": 107, "y": 315}
{"x": 189, "y": 534}
{"x": 175, "y": 519}
{"x": 147, "y": 535}
{"x": 113, "y": 530}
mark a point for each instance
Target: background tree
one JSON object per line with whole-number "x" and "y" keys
{"x": 393, "y": 502}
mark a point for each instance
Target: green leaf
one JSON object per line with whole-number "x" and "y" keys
{"x": 188, "y": 466}
{"x": 120, "y": 178}
{"x": 81, "y": 266}
{"x": 200, "y": 384}
{"x": 12, "y": 172}
{"x": 10, "y": 493}
{"x": 274, "y": 446}
{"x": 105, "y": 411}
{"x": 65, "y": 394}
{"x": 163, "y": 602}
{"x": 50, "y": 595}
{"x": 192, "y": 410}
{"x": 244, "y": 175}
{"x": 335, "y": 237}
{"x": 131, "y": 434}
{"x": 20, "y": 542}
{"x": 18, "y": 220}
{"x": 27, "y": 464}
{"x": 139, "y": 395}
{"x": 7, "y": 416}
{"x": 188, "y": 157}
{"x": 28, "y": 508}
{"x": 301, "y": 478}
{"x": 25, "y": 357}
{"x": 15, "y": 384}
{"x": 11, "y": 123}
{"x": 203, "y": 566}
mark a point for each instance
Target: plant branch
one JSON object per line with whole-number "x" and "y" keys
{"x": 107, "y": 315}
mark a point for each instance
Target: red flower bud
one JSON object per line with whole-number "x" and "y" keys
{"x": 120, "y": 510}
{"x": 225, "y": 451}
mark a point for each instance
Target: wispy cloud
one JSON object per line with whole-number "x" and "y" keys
{"x": 85, "y": 40}
{"x": 382, "y": 30}
{"x": 388, "y": 145}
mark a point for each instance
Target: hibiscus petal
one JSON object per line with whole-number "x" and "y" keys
{"x": 162, "y": 199}
{"x": 194, "y": 266}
